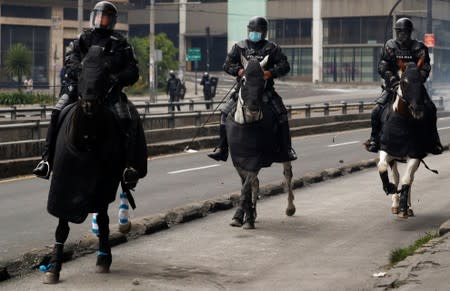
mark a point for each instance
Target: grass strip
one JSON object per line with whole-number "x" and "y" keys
{"x": 400, "y": 254}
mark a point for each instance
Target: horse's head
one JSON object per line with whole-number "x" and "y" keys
{"x": 411, "y": 90}
{"x": 253, "y": 83}
{"x": 252, "y": 88}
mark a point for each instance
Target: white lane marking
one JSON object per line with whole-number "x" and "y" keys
{"x": 441, "y": 128}
{"x": 342, "y": 144}
{"x": 193, "y": 169}
{"x": 443, "y": 118}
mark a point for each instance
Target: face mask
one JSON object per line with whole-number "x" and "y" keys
{"x": 254, "y": 36}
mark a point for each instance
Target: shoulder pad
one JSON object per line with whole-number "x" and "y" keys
{"x": 417, "y": 45}
{"x": 270, "y": 46}
{"x": 117, "y": 36}
{"x": 242, "y": 44}
{"x": 391, "y": 44}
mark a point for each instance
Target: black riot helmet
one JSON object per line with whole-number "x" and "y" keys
{"x": 104, "y": 16}
{"x": 259, "y": 24}
{"x": 403, "y": 29}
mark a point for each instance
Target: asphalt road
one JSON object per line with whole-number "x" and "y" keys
{"x": 342, "y": 234}
{"x": 172, "y": 181}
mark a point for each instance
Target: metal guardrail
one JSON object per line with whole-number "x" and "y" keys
{"x": 42, "y": 112}
{"x": 307, "y": 110}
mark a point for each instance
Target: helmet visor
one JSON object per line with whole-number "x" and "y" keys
{"x": 101, "y": 19}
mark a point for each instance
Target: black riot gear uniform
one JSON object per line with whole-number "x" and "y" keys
{"x": 397, "y": 53}
{"x": 278, "y": 66}
{"x": 173, "y": 90}
{"x": 123, "y": 71}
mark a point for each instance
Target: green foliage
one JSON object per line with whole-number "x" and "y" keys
{"x": 141, "y": 50}
{"x": 400, "y": 254}
{"x": 18, "y": 62}
{"x": 17, "y": 98}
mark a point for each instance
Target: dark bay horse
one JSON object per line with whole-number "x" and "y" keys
{"x": 403, "y": 138}
{"x": 251, "y": 132}
{"x": 90, "y": 157}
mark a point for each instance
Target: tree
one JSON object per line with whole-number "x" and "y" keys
{"x": 18, "y": 62}
{"x": 169, "y": 62}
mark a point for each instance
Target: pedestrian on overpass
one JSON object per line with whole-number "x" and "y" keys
{"x": 173, "y": 90}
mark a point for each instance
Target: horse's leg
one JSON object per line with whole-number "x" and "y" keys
{"x": 104, "y": 257}
{"x": 383, "y": 165}
{"x": 248, "y": 206}
{"x": 396, "y": 178}
{"x": 411, "y": 167}
{"x": 124, "y": 214}
{"x": 238, "y": 217}
{"x": 287, "y": 172}
{"x": 51, "y": 275}
{"x": 255, "y": 193}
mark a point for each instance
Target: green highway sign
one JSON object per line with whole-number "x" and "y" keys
{"x": 194, "y": 54}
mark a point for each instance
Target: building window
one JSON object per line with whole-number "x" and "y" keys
{"x": 350, "y": 64}
{"x": 26, "y": 11}
{"x": 351, "y": 30}
{"x": 290, "y": 31}
{"x": 37, "y": 39}
{"x": 72, "y": 14}
{"x": 300, "y": 60}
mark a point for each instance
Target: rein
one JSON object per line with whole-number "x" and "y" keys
{"x": 209, "y": 117}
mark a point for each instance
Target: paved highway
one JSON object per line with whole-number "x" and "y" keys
{"x": 172, "y": 181}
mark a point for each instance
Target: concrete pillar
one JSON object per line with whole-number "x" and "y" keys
{"x": 56, "y": 48}
{"x": 182, "y": 40}
{"x": 317, "y": 45}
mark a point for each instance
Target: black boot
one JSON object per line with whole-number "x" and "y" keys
{"x": 286, "y": 142}
{"x": 44, "y": 168}
{"x": 221, "y": 151}
{"x": 436, "y": 147}
{"x": 373, "y": 143}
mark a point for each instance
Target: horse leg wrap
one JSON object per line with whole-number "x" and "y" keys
{"x": 388, "y": 187}
{"x": 403, "y": 204}
{"x": 53, "y": 269}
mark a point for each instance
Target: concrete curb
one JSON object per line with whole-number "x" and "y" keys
{"x": 30, "y": 261}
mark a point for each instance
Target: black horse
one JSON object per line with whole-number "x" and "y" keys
{"x": 403, "y": 138}
{"x": 251, "y": 132}
{"x": 90, "y": 156}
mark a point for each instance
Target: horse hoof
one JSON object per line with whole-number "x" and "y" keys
{"x": 248, "y": 225}
{"x": 410, "y": 212}
{"x": 236, "y": 222}
{"x": 103, "y": 263}
{"x": 403, "y": 214}
{"x": 51, "y": 278}
{"x": 394, "y": 210}
{"x": 101, "y": 269}
{"x": 125, "y": 228}
{"x": 290, "y": 211}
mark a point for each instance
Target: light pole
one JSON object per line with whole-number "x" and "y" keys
{"x": 151, "y": 53}
{"x": 80, "y": 16}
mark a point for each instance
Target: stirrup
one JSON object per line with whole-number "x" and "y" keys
{"x": 42, "y": 170}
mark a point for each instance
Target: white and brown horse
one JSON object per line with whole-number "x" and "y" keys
{"x": 403, "y": 139}
{"x": 252, "y": 139}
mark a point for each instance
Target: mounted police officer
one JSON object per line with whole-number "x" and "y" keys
{"x": 256, "y": 46}
{"x": 120, "y": 62}
{"x": 397, "y": 52}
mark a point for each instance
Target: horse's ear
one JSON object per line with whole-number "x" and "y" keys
{"x": 263, "y": 63}
{"x": 244, "y": 62}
